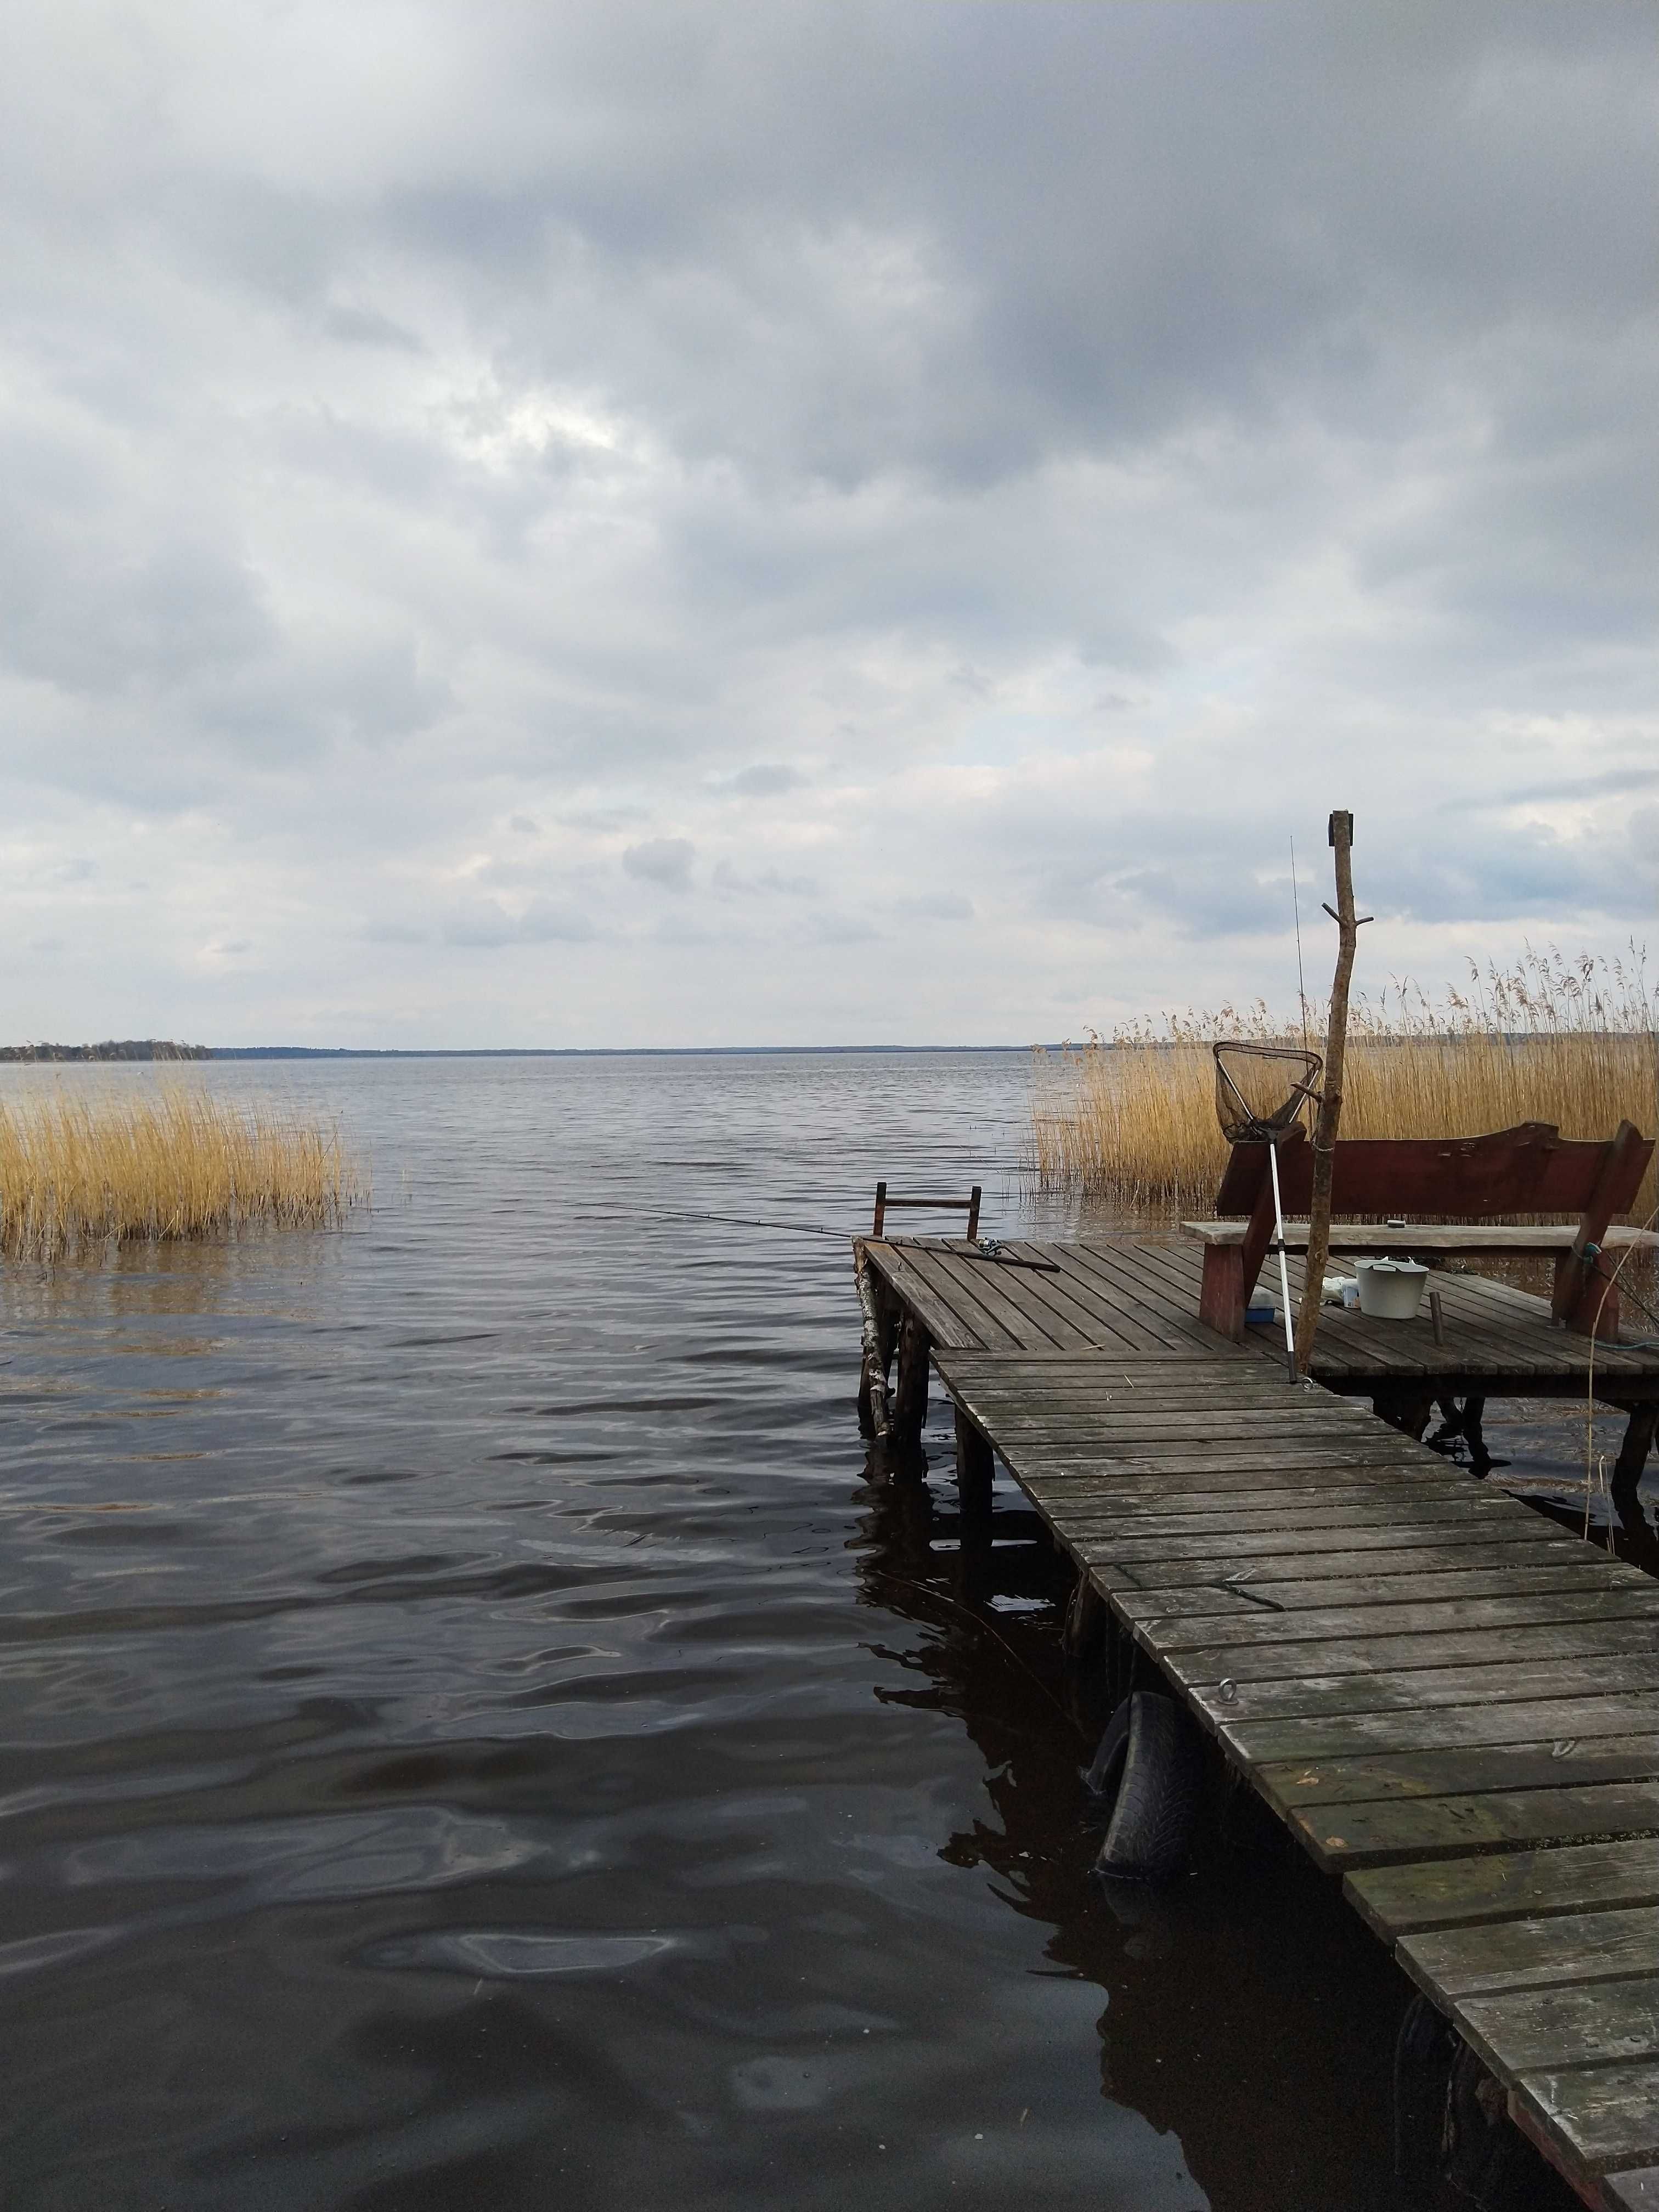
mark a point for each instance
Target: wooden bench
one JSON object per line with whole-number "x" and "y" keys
{"x": 1470, "y": 1182}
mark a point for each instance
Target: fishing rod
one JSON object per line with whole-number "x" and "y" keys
{"x": 730, "y": 1221}
{"x": 989, "y": 1250}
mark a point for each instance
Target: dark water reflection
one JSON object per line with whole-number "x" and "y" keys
{"x": 473, "y": 1736}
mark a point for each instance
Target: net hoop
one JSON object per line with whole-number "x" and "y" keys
{"x": 1261, "y": 1089}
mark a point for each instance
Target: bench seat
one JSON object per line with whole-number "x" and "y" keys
{"x": 1490, "y": 1239}
{"x": 1472, "y": 1187}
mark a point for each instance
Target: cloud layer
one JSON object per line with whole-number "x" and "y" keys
{"x": 811, "y": 523}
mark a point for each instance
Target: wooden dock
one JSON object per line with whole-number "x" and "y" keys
{"x": 1451, "y": 1703}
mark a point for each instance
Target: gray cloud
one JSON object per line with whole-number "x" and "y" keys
{"x": 546, "y": 921}
{"x": 726, "y": 877}
{"x": 765, "y": 780}
{"x": 363, "y": 327}
{"x": 1610, "y": 783}
{"x": 663, "y": 860}
{"x": 940, "y": 906}
{"x": 1061, "y": 451}
{"x": 486, "y": 925}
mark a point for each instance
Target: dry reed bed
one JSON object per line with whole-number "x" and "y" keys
{"x": 77, "y": 1170}
{"x": 1133, "y": 1119}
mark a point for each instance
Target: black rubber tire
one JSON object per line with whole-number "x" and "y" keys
{"x": 1451, "y": 2130}
{"x": 1149, "y": 1765}
{"x": 1490, "y": 2162}
{"x": 1422, "y": 2056}
{"x": 1100, "y": 1779}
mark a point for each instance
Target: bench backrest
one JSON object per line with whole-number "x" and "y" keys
{"x": 1532, "y": 1169}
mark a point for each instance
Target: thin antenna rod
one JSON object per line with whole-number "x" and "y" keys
{"x": 1301, "y": 987}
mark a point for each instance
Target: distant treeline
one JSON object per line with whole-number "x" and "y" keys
{"x": 111, "y": 1048}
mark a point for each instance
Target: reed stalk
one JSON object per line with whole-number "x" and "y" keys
{"x": 80, "y": 1170}
{"x": 1129, "y": 1121}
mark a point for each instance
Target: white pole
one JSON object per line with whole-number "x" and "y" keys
{"x": 1284, "y": 1272}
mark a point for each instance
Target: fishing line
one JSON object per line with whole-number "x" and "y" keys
{"x": 1610, "y": 1283}
{"x": 979, "y": 1621}
{"x": 746, "y": 1221}
{"x": 729, "y": 1220}
{"x": 1641, "y": 1344}
{"x": 986, "y": 1249}
{"x": 1301, "y": 980}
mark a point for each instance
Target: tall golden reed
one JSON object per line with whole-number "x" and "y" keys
{"x": 1132, "y": 1120}
{"x": 79, "y": 1169}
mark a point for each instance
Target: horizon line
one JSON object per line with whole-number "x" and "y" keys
{"x": 581, "y": 1051}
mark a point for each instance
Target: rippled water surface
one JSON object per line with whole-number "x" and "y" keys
{"x": 473, "y": 1736}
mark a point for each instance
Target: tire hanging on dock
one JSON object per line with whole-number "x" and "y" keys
{"x": 1423, "y": 2058}
{"x": 1150, "y": 1769}
{"x": 1450, "y": 2124}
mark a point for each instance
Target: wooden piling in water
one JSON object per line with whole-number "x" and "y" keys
{"x": 874, "y": 1412}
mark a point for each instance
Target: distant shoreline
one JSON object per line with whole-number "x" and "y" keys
{"x": 589, "y": 1051}
{"x": 156, "y": 1050}
{"x": 23, "y": 1055}
{"x": 110, "y": 1051}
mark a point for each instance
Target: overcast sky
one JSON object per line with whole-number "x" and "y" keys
{"x": 534, "y": 523}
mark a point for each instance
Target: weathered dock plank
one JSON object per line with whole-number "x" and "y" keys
{"x": 1292, "y": 1785}
{"x": 915, "y": 1291}
{"x": 1384, "y": 1831}
{"x": 1406, "y": 1564}
{"x": 1546, "y": 1574}
{"x": 1408, "y": 1899}
{"x": 1177, "y": 1628}
{"x": 1534, "y": 1953}
{"x": 1405, "y": 1533}
{"x": 1412, "y": 1688}
{"x": 1553, "y": 2027}
{"x": 1121, "y": 1321}
{"x": 1604, "y": 1711}
{"x": 1597, "y": 2114}
{"x": 1634, "y": 2191}
{"x": 946, "y": 1300}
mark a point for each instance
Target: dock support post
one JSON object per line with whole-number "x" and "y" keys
{"x": 1124, "y": 1669}
{"x": 875, "y": 1413}
{"x": 976, "y": 1472}
{"x": 1474, "y": 1434}
{"x": 1463, "y": 1418}
{"x": 910, "y": 1398}
{"x": 1087, "y": 1618}
{"x": 1407, "y": 1406}
{"x": 1627, "y": 1468}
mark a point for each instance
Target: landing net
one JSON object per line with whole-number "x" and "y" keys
{"x": 1260, "y": 1090}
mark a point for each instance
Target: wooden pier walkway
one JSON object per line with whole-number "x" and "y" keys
{"x": 1451, "y": 1703}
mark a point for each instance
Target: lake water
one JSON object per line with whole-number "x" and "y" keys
{"x": 474, "y": 1736}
